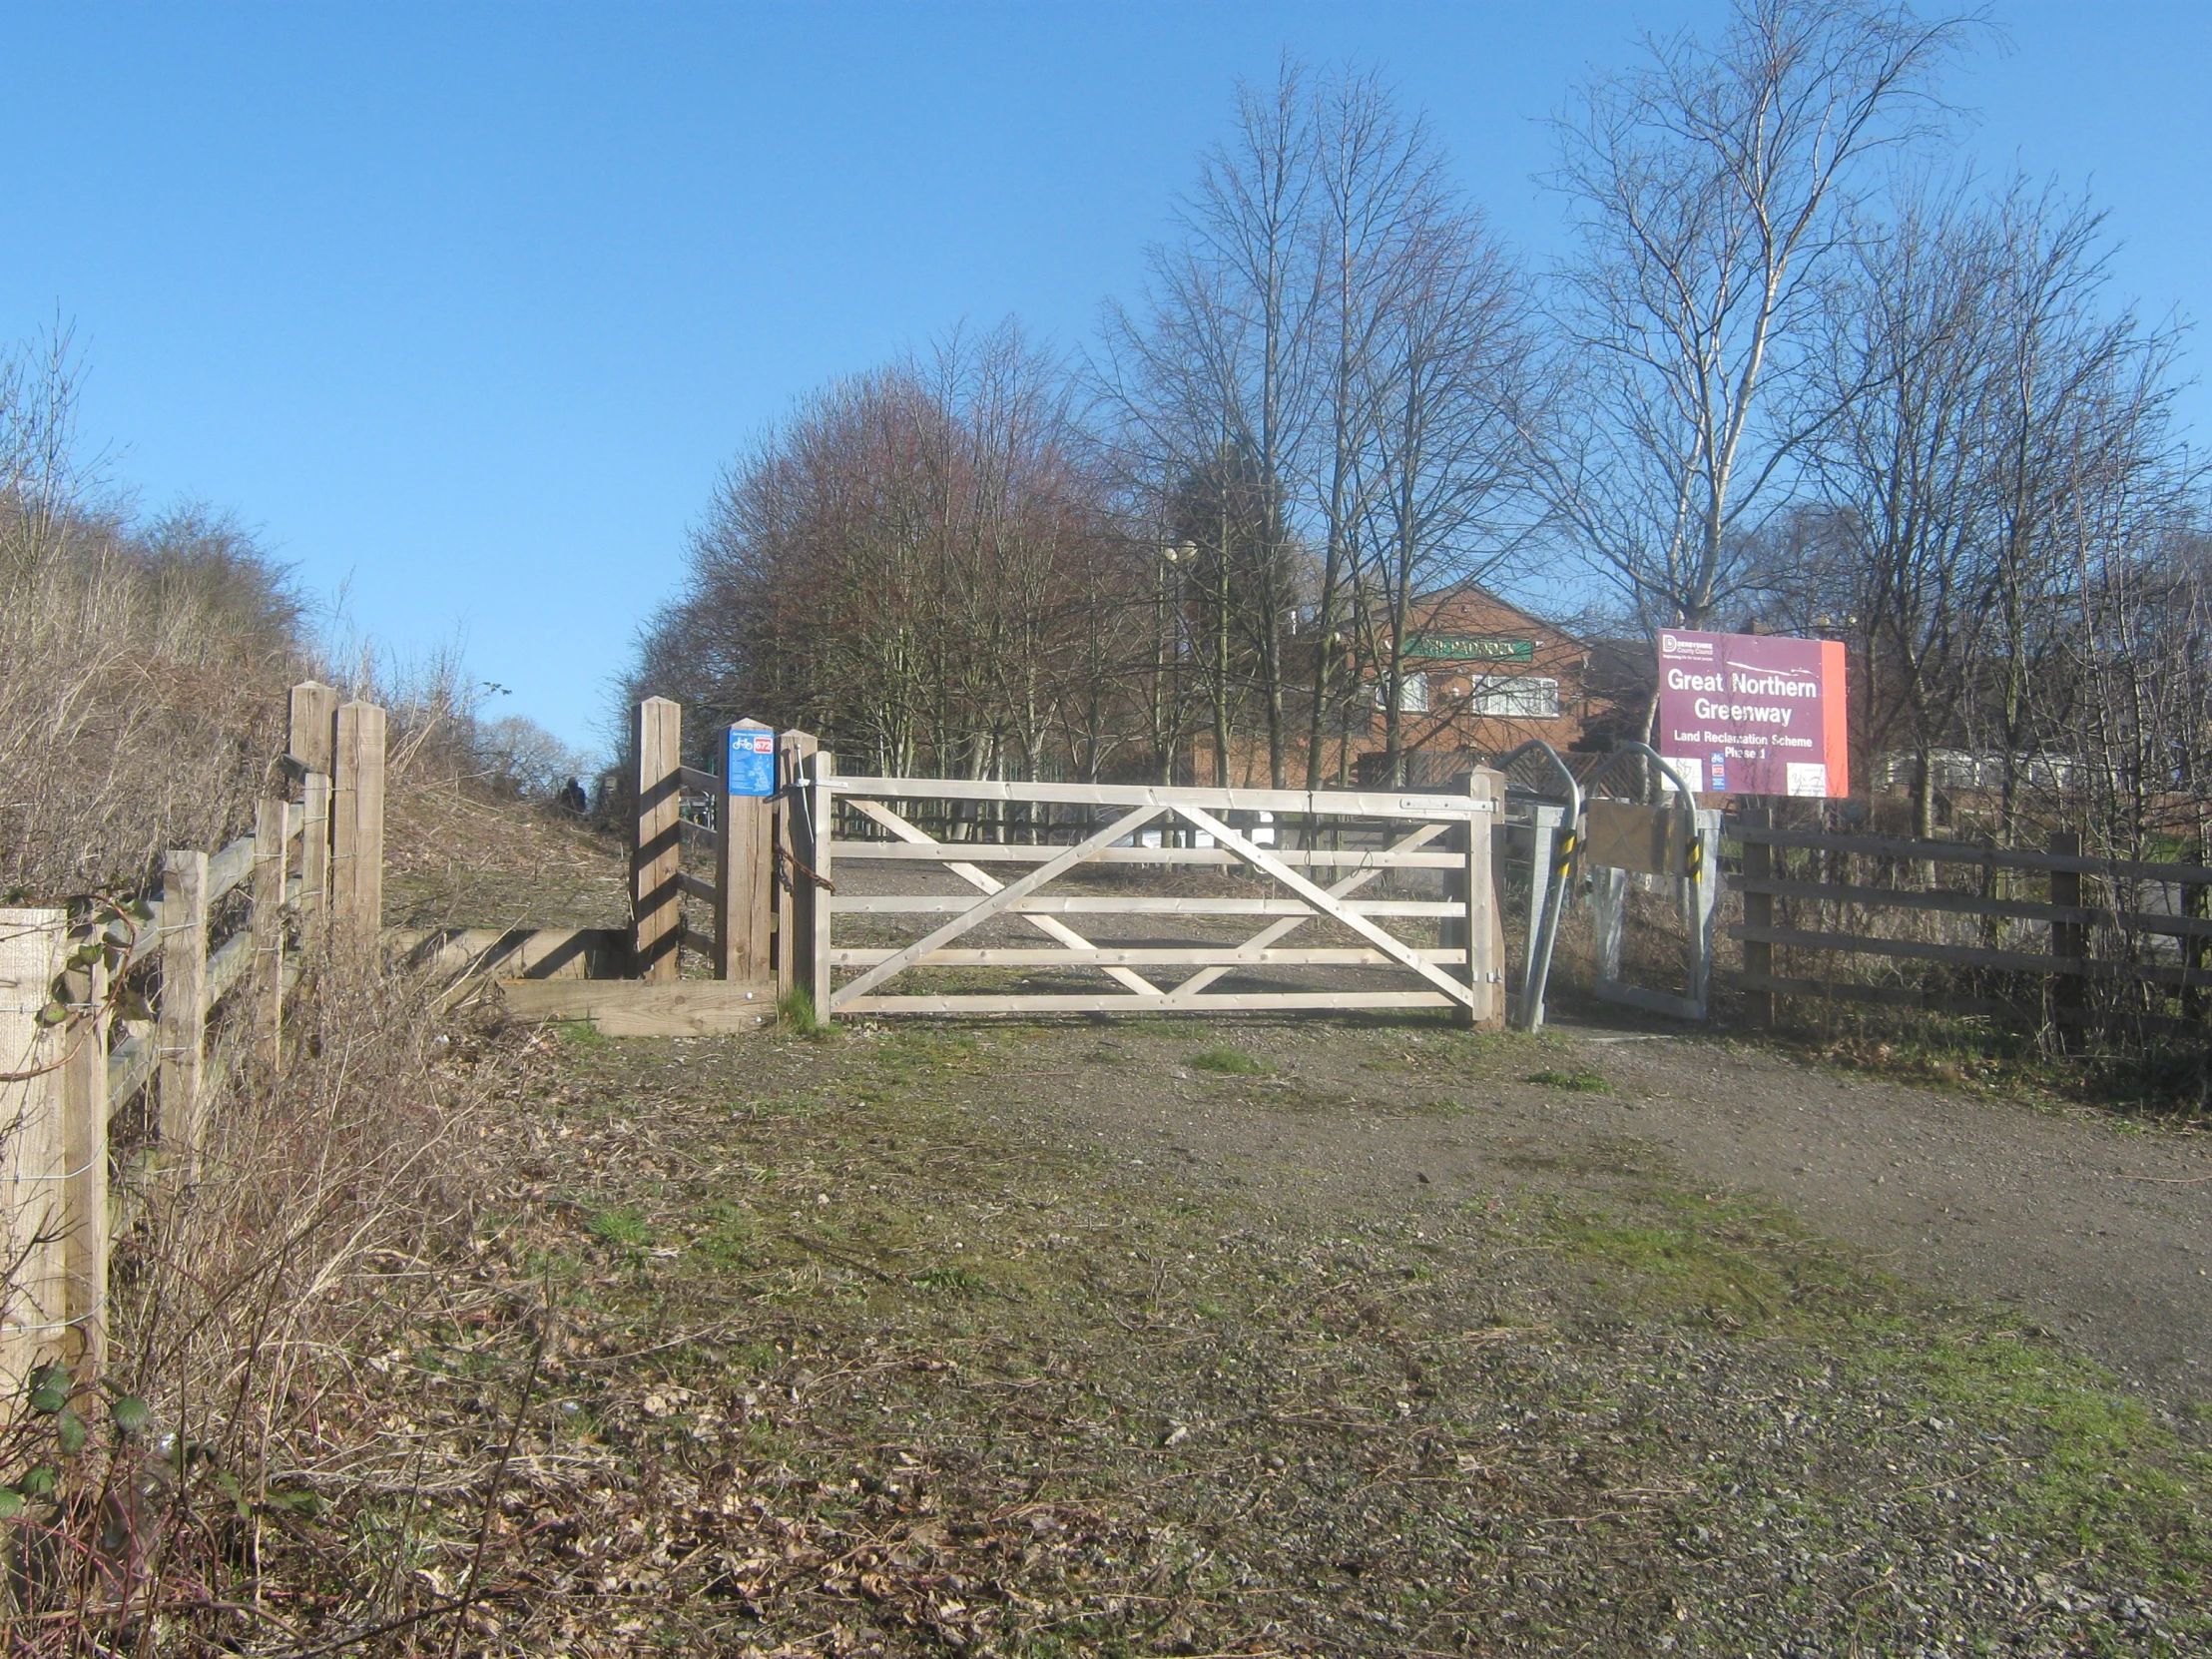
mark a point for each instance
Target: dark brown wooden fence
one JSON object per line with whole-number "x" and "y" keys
{"x": 2054, "y": 934}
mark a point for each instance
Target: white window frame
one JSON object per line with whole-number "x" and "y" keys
{"x": 1513, "y": 696}
{"x": 1413, "y": 694}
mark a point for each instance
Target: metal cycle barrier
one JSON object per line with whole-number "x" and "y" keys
{"x": 1682, "y": 841}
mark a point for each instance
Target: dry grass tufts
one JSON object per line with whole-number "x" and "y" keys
{"x": 266, "y": 1458}
{"x": 140, "y": 697}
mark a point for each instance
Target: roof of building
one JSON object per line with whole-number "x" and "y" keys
{"x": 1437, "y": 599}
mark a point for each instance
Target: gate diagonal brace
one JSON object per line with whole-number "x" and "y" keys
{"x": 1006, "y": 897}
{"x": 1050, "y": 926}
{"x": 1289, "y": 924}
{"x": 1388, "y": 943}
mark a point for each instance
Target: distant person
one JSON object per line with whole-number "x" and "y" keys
{"x": 572, "y": 799}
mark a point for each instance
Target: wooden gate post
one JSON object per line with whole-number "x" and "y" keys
{"x": 792, "y": 750}
{"x": 656, "y": 898}
{"x": 32, "y": 1312}
{"x": 357, "y": 832}
{"x": 1485, "y": 927}
{"x": 1758, "y": 916}
{"x": 744, "y": 877}
{"x": 183, "y": 999}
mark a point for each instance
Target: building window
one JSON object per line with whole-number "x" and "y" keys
{"x": 1513, "y": 696}
{"x": 1413, "y": 694}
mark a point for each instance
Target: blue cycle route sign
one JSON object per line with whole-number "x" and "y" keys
{"x": 751, "y": 765}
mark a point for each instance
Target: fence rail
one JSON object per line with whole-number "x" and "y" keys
{"x": 2073, "y": 938}
{"x": 1744, "y": 828}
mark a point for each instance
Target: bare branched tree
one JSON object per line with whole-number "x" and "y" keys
{"x": 1329, "y": 378}
{"x": 1381, "y": 194}
{"x": 2000, "y": 501}
{"x": 1712, "y": 186}
{"x": 913, "y": 565}
{"x": 1907, "y": 366}
{"x": 1449, "y": 482}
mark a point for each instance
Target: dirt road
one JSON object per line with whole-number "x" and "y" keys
{"x": 2101, "y": 1235}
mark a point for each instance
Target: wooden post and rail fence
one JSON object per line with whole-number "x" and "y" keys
{"x": 2113, "y": 942}
{"x": 2136, "y": 951}
{"x": 212, "y": 956}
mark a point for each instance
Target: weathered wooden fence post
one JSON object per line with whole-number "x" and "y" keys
{"x": 656, "y": 898}
{"x": 2196, "y": 955}
{"x": 183, "y": 999}
{"x": 313, "y": 735}
{"x": 2069, "y": 940}
{"x": 1757, "y": 916}
{"x": 744, "y": 885}
{"x": 358, "y": 830}
{"x": 32, "y": 1303}
{"x": 313, "y": 742}
{"x": 315, "y": 858}
{"x": 792, "y": 750}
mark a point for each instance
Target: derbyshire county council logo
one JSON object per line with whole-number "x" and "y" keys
{"x": 1674, "y": 645}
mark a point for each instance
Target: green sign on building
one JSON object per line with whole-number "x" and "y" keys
{"x": 1463, "y": 648}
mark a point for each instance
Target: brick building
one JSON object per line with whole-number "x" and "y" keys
{"x": 1482, "y": 676}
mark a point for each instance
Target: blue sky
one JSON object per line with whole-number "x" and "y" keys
{"x": 463, "y": 307}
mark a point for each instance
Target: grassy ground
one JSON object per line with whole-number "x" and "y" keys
{"x": 912, "y": 1341}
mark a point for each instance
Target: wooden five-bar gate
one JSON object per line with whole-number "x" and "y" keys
{"x": 1061, "y": 879}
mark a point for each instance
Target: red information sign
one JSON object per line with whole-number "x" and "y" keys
{"x": 1754, "y": 714}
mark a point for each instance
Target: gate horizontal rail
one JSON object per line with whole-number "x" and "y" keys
{"x": 1141, "y": 956}
{"x": 1134, "y": 904}
{"x": 999, "y": 852}
{"x": 1201, "y": 1003}
{"x": 1314, "y": 802}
